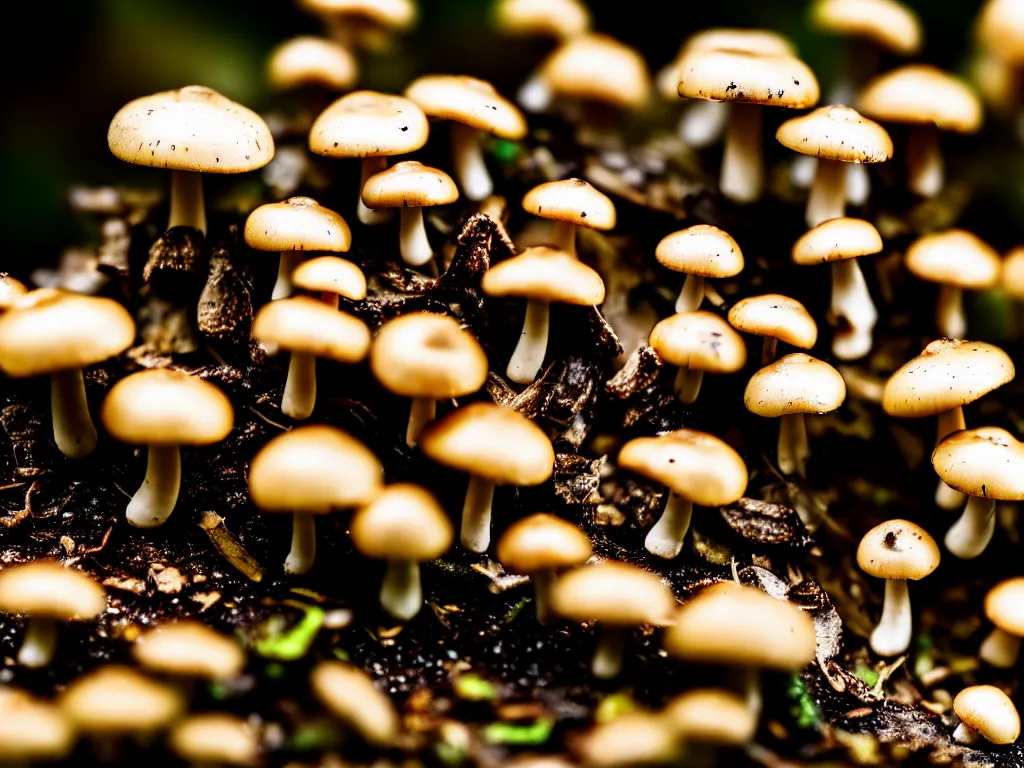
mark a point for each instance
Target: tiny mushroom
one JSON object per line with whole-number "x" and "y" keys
{"x": 308, "y": 61}
{"x": 776, "y": 318}
{"x": 1004, "y": 607}
{"x": 711, "y": 716}
{"x": 986, "y": 712}
{"x": 215, "y": 738}
{"x": 700, "y": 252}
{"x": 350, "y": 695}
{"x": 570, "y": 203}
{"x": 697, "y": 342}
{"x": 596, "y": 69}
{"x": 31, "y": 731}
{"x": 189, "y": 649}
{"x": 332, "y": 278}
{"x": 11, "y": 290}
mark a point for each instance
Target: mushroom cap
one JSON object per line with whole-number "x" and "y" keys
{"x": 116, "y": 700}
{"x": 1000, "y": 29}
{"x": 329, "y": 274}
{"x": 467, "y": 100}
{"x": 922, "y": 94}
{"x": 160, "y": 406}
{"x": 733, "y": 624}
{"x": 189, "y": 649}
{"x": 32, "y": 730}
{"x": 369, "y": 124}
{"x": 573, "y": 200}
{"x": 427, "y": 355}
{"x": 297, "y": 224}
{"x": 947, "y": 374}
{"x": 546, "y": 274}
{"x": 887, "y": 23}
{"x": 796, "y": 383}
{"x": 633, "y": 739}
{"x": 711, "y": 716}
{"x": 314, "y": 469}
{"x": 215, "y": 738}
{"x": 763, "y": 42}
{"x": 1004, "y": 605}
{"x": 836, "y": 240}
{"x": 49, "y": 330}
{"x": 490, "y": 441}
{"x": 305, "y": 325}
{"x": 46, "y": 589}
{"x": 987, "y": 461}
{"x": 730, "y": 75}
{"x": 898, "y": 549}
{"x": 350, "y": 695}
{"x": 1013, "y": 273}
{"x": 409, "y": 184}
{"x": 954, "y": 257}
{"x": 700, "y": 250}
{"x": 699, "y": 340}
{"x": 613, "y": 593}
{"x": 695, "y": 465}
{"x": 777, "y": 316}
{"x": 542, "y": 542}
{"x": 597, "y": 67}
{"x": 836, "y": 133}
{"x": 547, "y": 18}
{"x": 191, "y": 129}
{"x": 989, "y": 711}
{"x": 10, "y": 290}
{"x": 406, "y": 522}
{"x": 395, "y": 14}
{"x": 307, "y": 60}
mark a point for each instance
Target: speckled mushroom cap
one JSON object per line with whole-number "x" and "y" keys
{"x": 395, "y": 14}
{"x": 490, "y": 441}
{"x": 700, "y": 341}
{"x": 32, "y": 731}
{"x": 711, "y": 716}
{"x": 954, "y": 257}
{"x": 887, "y": 23}
{"x": 311, "y": 61}
{"x": 215, "y": 738}
{"x": 695, "y": 465}
{"x": 572, "y": 200}
{"x": 700, "y": 250}
{"x": 614, "y": 593}
{"x": 777, "y": 316}
{"x": 836, "y": 133}
{"x": 329, "y": 274}
{"x": 427, "y": 355}
{"x": 44, "y": 588}
{"x": 10, "y": 290}
{"x": 987, "y": 461}
{"x": 1000, "y": 29}
{"x": 115, "y": 700}
{"x": 548, "y": 18}
{"x": 796, "y": 383}
{"x": 730, "y": 75}
{"x": 597, "y": 67}
{"x": 922, "y": 94}
{"x": 947, "y": 374}
{"x": 350, "y": 695}
{"x": 898, "y": 549}
{"x": 406, "y": 522}
{"x": 305, "y": 325}
{"x": 297, "y": 224}
{"x": 189, "y": 649}
{"x": 542, "y": 542}
{"x": 546, "y": 274}
{"x": 49, "y": 330}
{"x": 760, "y": 41}
{"x": 988, "y": 711}
{"x": 1004, "y": 605}
{"x": 369, "y": 124}
{"x": 1012, "y": 276}
{"x": 467, "y": 100}
{"x": 409, "y": 184}
{"x": 835, "y": 240}
{"x": 191, "y": 129}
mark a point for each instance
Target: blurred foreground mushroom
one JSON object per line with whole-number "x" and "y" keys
{"x": 189, "y": 649}
{"x": 215, "y": 738}
{"x": 350, "y": 695}
{"x": 31, "y": 731}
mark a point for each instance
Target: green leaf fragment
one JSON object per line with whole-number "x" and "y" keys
{"x": 524, "y": 735}
{"x": 804, "y": 709}
{"x": 867, "y": 674}
{"x": 294, "y": 643}
{"x": 472, "y": 687}
{"x": 505, "y": 151}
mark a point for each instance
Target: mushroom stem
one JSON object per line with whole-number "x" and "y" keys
{"x": 300, "y": 386}
{"x": 925, "y": 173}
{"x": 534, "y": 95}
{"x": 665, "y": 539}
{"x": 851, "y": 301}
{"x": 331, "y": 299}
{"x": 703, "y": 123}
{"x": 892, "y": 635}
{"x": 529, "y": 354}
{"x": 611, "y": 645}
{"x": 401, "y": 594}
{"x": 422, "y": 412}
{"x": 964, "y": 734}
{"x": 972, "y": 532}
{"x": 827, "y": 199}
{"x": 1000, "y": 649}
{"x": 543, "y": 583}
{"x": 858, "y": 184}
{"x": 949, "y": 312}
{"x": 742, "y": 175}
{"x": 476, "y": 514}
{"x": 187, "y": 207}
{"x": 564, "y": 237}
{"x": 468, "y": 158}
{"x": 688, "y": 382}
{"x": 369, "y": 216}
{"x": 413, "y": 242}
{"x": 692, "y": 294}
{"x": 793, "y": 449}
{"x": 303, "y": 552}
{"x": 154, "y": 502}
{"x": 768, "y": 349}
{"x": 283, "y": 288}
{"x": 751, "y": 687}
{"x": 39, "y": 643}
{"x": 947, "y": 423}
{"x": 73, "y": 430}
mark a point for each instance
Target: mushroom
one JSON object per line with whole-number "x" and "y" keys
{"x": 427, "y": 357}
{"x": 363, "y": 23}
{"x": 350, "y": 695}
{"x": 52, "y": 332}
{"x": 543, "y": 276}
{"x": 570, "y": 203}
{"x": 496, "y": 446}
{"x": 308, "y": 61}
{"x": 896, "y": 550}
{"x": 700, "y": 252}
{"x": 215, "y": 738}
{"x": 332, "y": 278}
{"x": 164, "y": 409}
{"x": 787, "y": 389}
{"x": 312, "y": 470}
{"x": 1004, "y": 607}
{"x": 189, "y": 649}
{"x": 704, "y": 717}
{"x": 776, "y": 318}
{"x": 31, "y": 731}
{"x": 46, "y": 593}
{"x": 404, "y": 525}
{"x": 696, "y": 468}
{"x": 617, "y": 596}
{"x": 541, "y": 545}
{"x": 191, "y": 131}
{"x": 698, "y": 342}
{"x": 11, "y": 290}
{"x": 999, "y": 30}
{"x": 985, "y": 711}
{"x": 1012, "y": 279}
{"x": 309, "y": 329}
{"x": 633, "y": 739}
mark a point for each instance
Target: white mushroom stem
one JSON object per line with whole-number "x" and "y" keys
{"x": 39, "y": 643}
{"x": 858, "y": 184}
{"x": 413, "y": 242}
{"x": 187, "y": 206}
{"x": 153, "y": 503}
{"x": 665, "y": 539}
{"x": 688, "y": 382}
{"x": 949, "y": 422}
{"x": 892, "y": 635}
{"x": 300, "y": 386}
{"x": 802, "y": 171}
{"x": 73, "y": 430}
{"x": 949, "y": 312}
{"x": 330, "y": 298}
{"x": 1000, "y": 649}
{"x": 534, "y": 95}
{"x": 422, "y": 412}
{"x": 827, "y": 199}
{"x": 303, "y": 552}
{"x": 476, "y": 514}
{"x": 611, "y": 644}
{"x": 768, "y": 349}
{"x": 290, "y": 261}
{"x": 973, "y": 531}
{"x": 925, "y": 171}
{"x": 543, "y": 583}
{"x": 401, "y": 594}
{"x": 692, "y": 294}
{"x": 742, "y": 175}
{"x": 703, "y": 123}
{"x": 528, "y": 357}
{"x": 564, "y": 237}
{"x": 964, "y": 734}
{"x": 793, "y": 448}
{"x": 851, "y": 301}
{"x": 366, "y": 215}
{"x": 468, "y": 159}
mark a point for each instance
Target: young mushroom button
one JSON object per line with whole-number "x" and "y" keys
{"x": 350, "y": 695}
{"x": 112, "y": 702}
{"x": 985, "y": 711}
{"x": 776, "y": 318}
{"x": 700, "y": 252}
{"x": 308, "y": 61}
{"x": 332, "y": 278}
{"x": 1004, "y": 607}
{"x": 189, "y": 649}
{"x": 697, "y": 342}
{"x": 570, "y": 203}
{"x": 215, "y": 738}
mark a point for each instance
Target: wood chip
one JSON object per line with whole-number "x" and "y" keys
{"x": 225, "y": 543}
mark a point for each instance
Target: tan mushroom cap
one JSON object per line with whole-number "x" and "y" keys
{"x": 115, "y": 700}
{"x": 898, "y": 549}
{"x": 597, "y": 67}
{"x": 396, "y": 14}
{"x": 468, "y": 100}
{"x": 922, "y": 94}
{"x": 729, "y": 75}
{"x": 988, "y": 711}
{"x": 405, "y": 522}
{"x": 311, "y": 61}
{"x": 836, "y": 133}
{"x": 796, "y": 383}
{"x": 49, "y": 330}
{"x": 314, "y": 469}
{"x": 1000, "y": 29}
{"x": 699, "y": 340}
{"x": 633, "y": 739}
{"x": 836, "y": 240}
{"x": 732, "y": 624}
{"x": 350, "y": 695}
{"x": 32, "y": 730}
{"x": 777, "y": 316}
{"x": 987, "y": 461}
{"x": 190, "y": 649}
{"x": 409, "y": 184}
{"x": 763, "y": 42}
{"x": 546, "y": 274}
{"x": 1004, "y": 605}
{"x": 887, "y": 23}
{"x": 1013, "y": 273}
{"x": 215, "y": 738}
{"x": 305, "y": 325}
{"x": 695, "y": 465}
{"x": 954, "y": 257}
{"x": 711, "y": 716}
{"x": 191, "y": 129}
{"x": 46, "y": 589}
{"x": 329, "y": 274}
{"x": 542, "y": 542}
{"x": 10, "y": 290}
{"x": 572, "y": 200}
{"x": 369, "y": 124}
{"x": 297, "y": 224}
{"x": 614, "y": 593}
{"x": 701, "y": 250}
{"x": 548, "y": 18}
{"x": 493, "y": 442}
{"x": 428, "y": 355}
